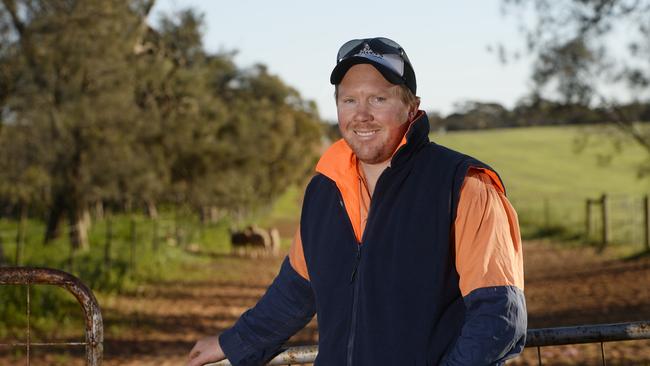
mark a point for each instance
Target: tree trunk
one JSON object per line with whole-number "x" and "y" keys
{"x": 152, "y": 210}
{"x": 87, "y": 218}
{"x": 79, "y": 225}
{"x": 53, "y": 227}
{"x": 99, "y": 210}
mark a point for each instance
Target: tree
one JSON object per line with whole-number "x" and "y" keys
{"x": 69, "y": 93}
{"x": 590, "y": 50}
{"x": 232, "y": 138}
{"x": 477, "y": 115}
{"x": 97, "y": 106}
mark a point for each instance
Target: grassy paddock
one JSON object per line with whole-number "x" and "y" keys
{"x": 548, "y": 179}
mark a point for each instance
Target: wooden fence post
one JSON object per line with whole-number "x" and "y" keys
{"x": 605, "y": 228}
{"x": 19, "y": 247}
{"x": 588, "y": 218}
{"x": 108, "y": 243}
{"x": 646, "y": 221}
{"x": 20, "y": 235}
{"x": 2, "y": 252}
{"x": 134, "y": 238}
{"x": 547, "y": 213}
{"x": 72, "y": 249}
{"x": 155, "y": 235}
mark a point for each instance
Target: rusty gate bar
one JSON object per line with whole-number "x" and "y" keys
{"x": 542, "y": 337}
{"x": 92, "y": 313}
{"x": 587, "y": 334}
{"x": 292, "y": 356}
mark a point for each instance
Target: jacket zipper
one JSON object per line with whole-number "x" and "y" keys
{"x": 355, "y": 297}
{"x": 350, "y": 345}
{"x": 353, "y": 276}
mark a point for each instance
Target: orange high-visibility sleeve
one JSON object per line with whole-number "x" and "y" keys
{"x": 297, "y": 256}
{"x": 488, "y": 242}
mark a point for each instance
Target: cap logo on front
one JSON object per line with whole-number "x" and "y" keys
{"x": 392, "y": 61}
{"x": 367, "y": 51}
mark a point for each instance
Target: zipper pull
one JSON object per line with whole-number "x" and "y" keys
{"x": 356, "y": 263}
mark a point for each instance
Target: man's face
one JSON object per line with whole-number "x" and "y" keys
{"x": 372, "y": 116}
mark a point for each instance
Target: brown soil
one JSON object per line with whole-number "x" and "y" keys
{"x": 159, "y": 324}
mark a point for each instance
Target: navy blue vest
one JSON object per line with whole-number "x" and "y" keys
{"x": 393, "y": 299}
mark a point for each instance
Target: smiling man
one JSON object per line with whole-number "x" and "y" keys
{"x": 408, "y": 252}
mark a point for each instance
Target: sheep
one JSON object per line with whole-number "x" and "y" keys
{"x": 252, "y": 239}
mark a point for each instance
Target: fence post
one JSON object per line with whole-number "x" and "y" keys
{"x": 605, "y": 228}
{"x": 108, "y": 243}
{"x": 646, "y": 221}
{"x": 547, "y": 213}
{"x": 72, "y": 248}
{"x": 588, "y": 218}
{"x": 155, "y": 235}
{"x": 134, "y": 238}
{"x": 2, "y": 252}
{"x": 19, "y": 247}
{"x": 177, "y": 232}
{"x": 20, "y": 235}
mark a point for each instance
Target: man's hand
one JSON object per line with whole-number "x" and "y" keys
{"x": 206, "y": 350}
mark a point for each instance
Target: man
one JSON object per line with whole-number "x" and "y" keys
{"x": 409, "y": 252}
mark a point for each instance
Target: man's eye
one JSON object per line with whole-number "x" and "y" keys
{"x": 348, "y": 100}
{"x": 379, "y": 99}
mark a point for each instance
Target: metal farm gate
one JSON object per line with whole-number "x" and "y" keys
{"x": 536, "y": 338}
{"x": 93, "y": 317}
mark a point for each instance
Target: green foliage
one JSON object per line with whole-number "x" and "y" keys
{"x": 100, "y": 108}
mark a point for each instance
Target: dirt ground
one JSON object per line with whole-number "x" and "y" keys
{"x": 160, "y": 323}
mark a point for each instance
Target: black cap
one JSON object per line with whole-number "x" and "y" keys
{"x": 384, "y": 54}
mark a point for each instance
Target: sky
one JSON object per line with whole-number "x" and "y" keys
{"x": 446, "y": 41}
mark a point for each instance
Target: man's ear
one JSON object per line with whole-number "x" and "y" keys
{"x": 414, "y": 108}
{"x": 416, "y": 105}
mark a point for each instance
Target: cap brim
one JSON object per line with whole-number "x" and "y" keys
{"x": 342, "y": 68}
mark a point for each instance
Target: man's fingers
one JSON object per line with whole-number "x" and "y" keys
{"x": 194, "y": 354}
{"x": 196, "y": 360}
{"x": 205, "y": 351}
{"x": 195, "y": 351}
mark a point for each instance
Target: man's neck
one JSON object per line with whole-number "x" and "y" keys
{"x": 372, "y": 173}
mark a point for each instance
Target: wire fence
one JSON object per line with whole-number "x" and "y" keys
{"x": 605, "y": 219}
{"x": 118, "y": 240}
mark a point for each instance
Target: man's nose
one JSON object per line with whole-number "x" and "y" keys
{"x": 362, "y": 112}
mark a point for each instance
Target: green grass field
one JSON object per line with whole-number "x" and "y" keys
{"x": 548, "y": 180}
{"x": 543, "y": 160}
